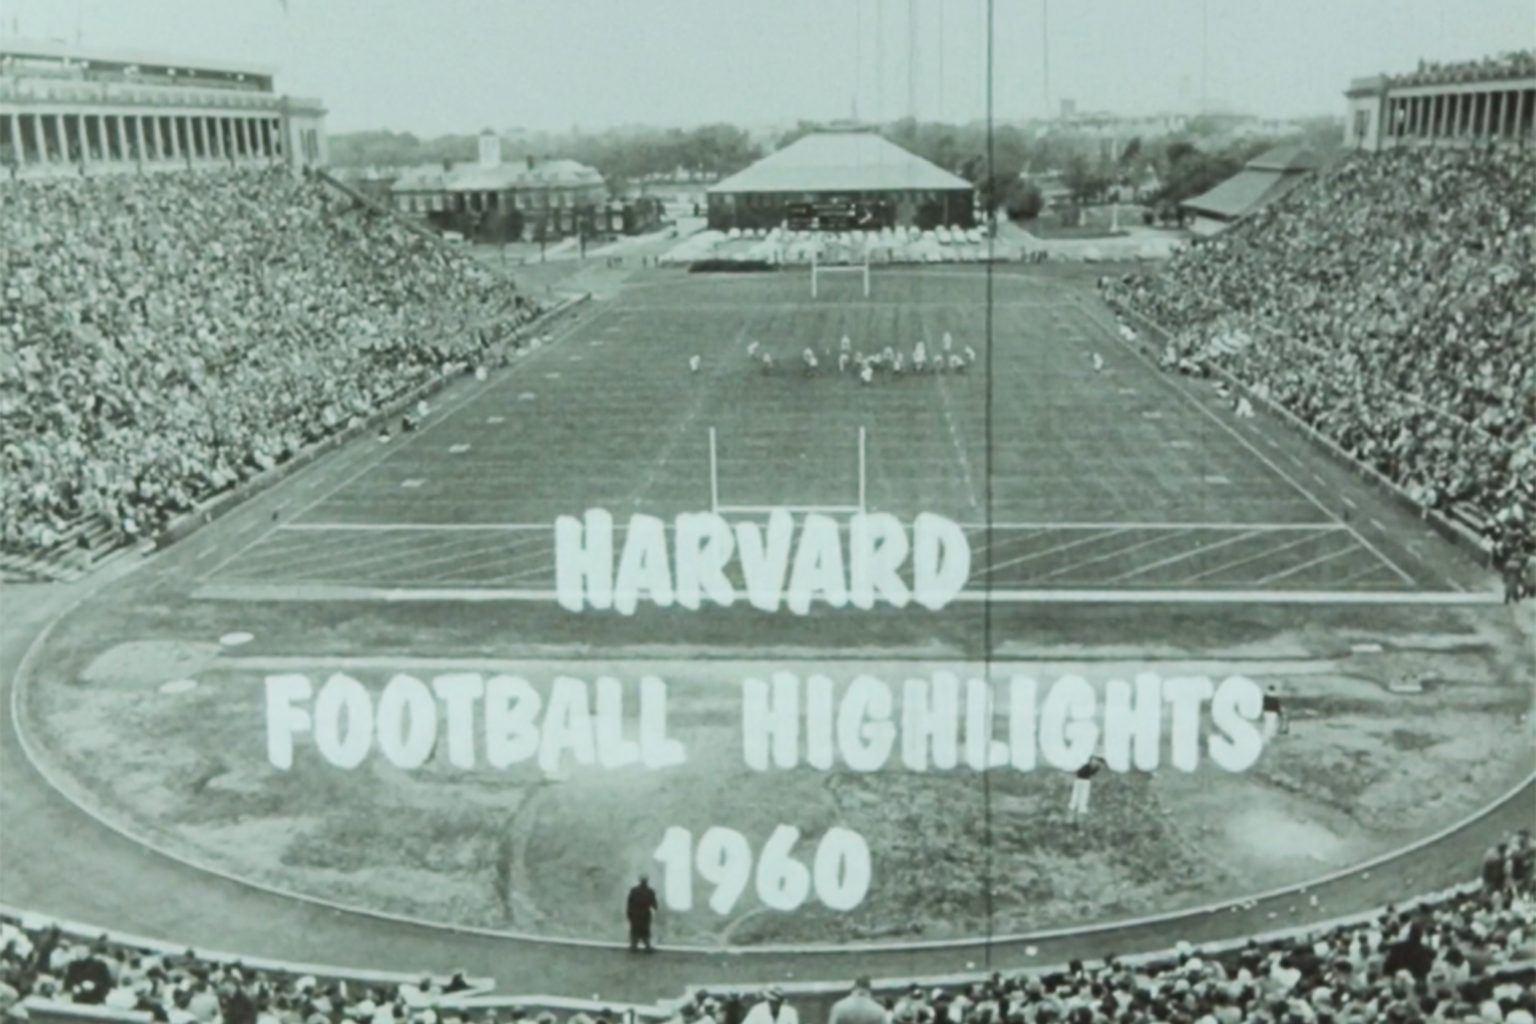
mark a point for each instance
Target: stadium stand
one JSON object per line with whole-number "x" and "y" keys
{"x": 1468, "y": 955}
{"x": 1516, "y": 64}
{"x": 134, "y": 304}
{"x": 1386, "y": 303}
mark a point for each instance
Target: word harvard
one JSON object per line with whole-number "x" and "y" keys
{"x": 778, "y": 566}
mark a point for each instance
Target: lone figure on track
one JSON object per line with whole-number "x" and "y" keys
{"x": 642, "y": 905}
{"x": 1082, "y": 785}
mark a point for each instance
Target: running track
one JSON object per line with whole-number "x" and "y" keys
{"x": 58, "y": 862}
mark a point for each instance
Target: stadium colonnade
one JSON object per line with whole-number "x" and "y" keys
{"x": 69, "y": 110}
{"x": 1464, "y": 102}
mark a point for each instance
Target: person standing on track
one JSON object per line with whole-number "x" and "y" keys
{"x": 1082, "y": 784}
{"x": 641, "y": 908}
{"x": 1276, "y": 723}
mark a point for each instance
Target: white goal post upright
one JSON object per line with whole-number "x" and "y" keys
{"x": 715, "y": 505}
{"x": 818, "y": 268}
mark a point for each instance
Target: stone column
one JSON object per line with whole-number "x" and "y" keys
{"x": 138, "y": 137}
{"x": 38, "y": 142}
{"x": 60, "y": 138}
{"x": 18, "y": 154}
{"x": 102, "y": 143}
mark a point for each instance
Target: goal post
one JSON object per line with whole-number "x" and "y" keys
{"x": 818, "y": 267}
{"x": 721, "y": 505}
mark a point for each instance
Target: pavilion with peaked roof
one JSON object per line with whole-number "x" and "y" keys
{"x": 1262, "y": 180}
{"x": 842, "y": 166}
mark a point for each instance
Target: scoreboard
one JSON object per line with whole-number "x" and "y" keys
{"x": 832, "y": 215}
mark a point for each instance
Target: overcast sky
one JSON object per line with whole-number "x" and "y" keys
{"x": 436, "y": 66}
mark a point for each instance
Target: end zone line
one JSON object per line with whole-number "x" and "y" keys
{"x": 342, "y": 592}
{"x": 829, "y": 509}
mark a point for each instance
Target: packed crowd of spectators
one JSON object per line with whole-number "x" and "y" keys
{"x": 1387, "y": 303}
{"x": 43, "y": 963}
{"x": 164, "y": 337}
{"x": 1515, "y": 64}
{"x": 1465, "y": 958}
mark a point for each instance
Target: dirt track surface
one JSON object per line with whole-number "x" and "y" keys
{"x": 59, "y": 862}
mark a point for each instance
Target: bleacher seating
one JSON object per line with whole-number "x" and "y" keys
{"x": 164, "y": 337}
{"x": 1385, "y": 302}
{"x": 1516, "y": 64}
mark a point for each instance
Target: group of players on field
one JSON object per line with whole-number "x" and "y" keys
{"x": 864, "y": 366}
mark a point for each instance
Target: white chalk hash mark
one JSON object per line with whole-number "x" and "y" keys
{"x": 178, "y": 686}
{"x": 235, "y": 639}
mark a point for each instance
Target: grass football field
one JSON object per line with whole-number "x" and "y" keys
{"x": 1120, "y": 520}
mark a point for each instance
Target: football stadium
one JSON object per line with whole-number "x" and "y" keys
{"x": 847, "y": 603}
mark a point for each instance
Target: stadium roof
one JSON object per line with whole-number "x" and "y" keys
{"x": 1262, "y": 180}
{"x": 841, "y": 162}
{"x": 54, "y": 49}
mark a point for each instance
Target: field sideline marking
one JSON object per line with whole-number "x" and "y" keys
{"x": 1092, "y": 315}
{"x": 430, "y": 527}
{"x": 289, "y": 591}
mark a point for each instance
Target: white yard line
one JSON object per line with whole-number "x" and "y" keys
{"x": 414, "y": 527}
{"x": 992, "y": 569}
{"x": 1116, "y": 553}
{"x": 1191, "y": 553}
{"x": 1247, "y": 444}
{"x": 334, "y": 593}
{"x": 949, "y": 418}
{"x": 394, "y": 447}
{"x": 330, "y": 552}
{"x": 1309, "y": 563}
{"x": 1267, "y": 552}
{"x": 1132, "y": 525}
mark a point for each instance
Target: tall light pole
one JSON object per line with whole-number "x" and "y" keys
{"x": 1045, "y": 53}
{"x": 1205, "y": 32}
